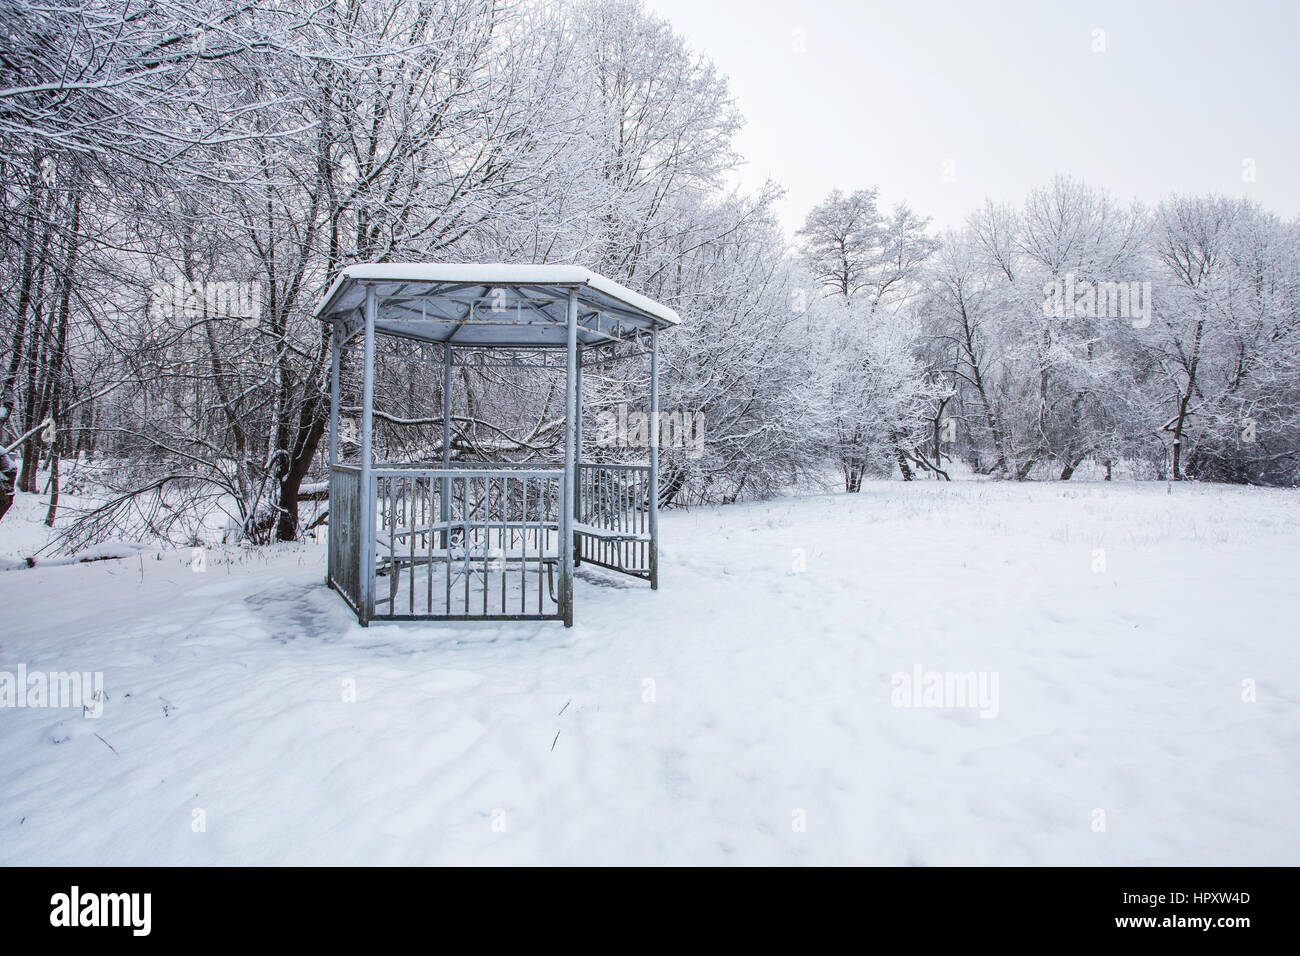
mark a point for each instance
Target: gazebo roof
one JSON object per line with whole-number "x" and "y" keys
{"x": 491, "y": 305}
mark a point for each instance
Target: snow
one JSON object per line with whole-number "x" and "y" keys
{"x": 700, "y": 723}
{"x": 503, "y": 274}
{"x": 24, "y": 536}
{"x": 103, "y": 551}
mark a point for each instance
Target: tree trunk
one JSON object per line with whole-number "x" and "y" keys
{"x": 1184, "y": 400}
{"x": 54, "y": 487}
{"x": 903, "y": 465}
{"x": 977, "y": 377}
{"x": 37, "y": 344}
{"x": 8, "y": 474}
{"x": 287, "y": 526}
{"x": 313, "y": 420}
{"x": 9, "y": 388}
{"x": 53, "y": 396}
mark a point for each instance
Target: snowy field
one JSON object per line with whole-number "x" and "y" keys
{"x": 1144, "y": 646}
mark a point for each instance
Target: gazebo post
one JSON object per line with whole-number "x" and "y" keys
{"x": 444, "y": 497}
{"x": 570, "y": 469}
{"x": 654, "y": 459}
{"x": 366, "y": 608}
{"x": 577, "y": 468}
{"x": 336, "y": 349}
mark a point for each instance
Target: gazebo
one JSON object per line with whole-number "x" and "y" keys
{"x": 465, "y": 541}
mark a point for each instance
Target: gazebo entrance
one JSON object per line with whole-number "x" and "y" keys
{"x": 488, "y": 540}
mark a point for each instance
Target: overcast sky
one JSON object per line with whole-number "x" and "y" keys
{"x": 1003, "y": 95}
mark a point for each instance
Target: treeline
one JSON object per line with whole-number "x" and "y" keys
{"x": 1072, "y": 329}
{"x": 150, "y": 147}
{"x": 180, "y": 180}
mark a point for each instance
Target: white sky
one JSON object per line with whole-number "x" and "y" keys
{"x": 1011, "y": 93}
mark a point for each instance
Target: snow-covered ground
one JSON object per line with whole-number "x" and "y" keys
{"x": 1144, "y": 646}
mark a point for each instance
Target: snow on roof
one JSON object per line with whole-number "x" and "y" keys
{"x": 503, "y": 274}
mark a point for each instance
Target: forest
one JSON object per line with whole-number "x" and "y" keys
{"x": 182, "y": 180}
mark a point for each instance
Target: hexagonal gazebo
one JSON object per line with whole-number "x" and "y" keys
{"x": 488, "y": 541}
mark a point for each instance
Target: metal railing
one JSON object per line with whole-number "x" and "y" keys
{"x": 613, "y": 521}
{"x": 345, "y": 533}
{"x": 482, "y": 543}
{"x": 467, "y": 543}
